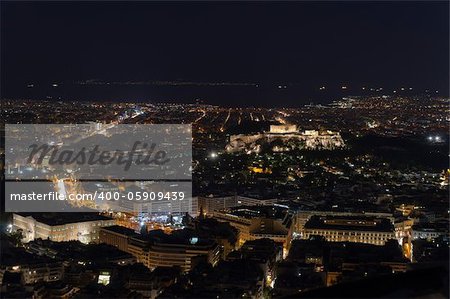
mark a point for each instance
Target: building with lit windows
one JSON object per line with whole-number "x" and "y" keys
{"x": 430, "y": 231}
{"x": 209, "y": 204}
{"x": 162, "y": 250}
{"x": 255, "y": 200}
{"x": 304, "y": 215}
{"x": 183, "y": 254}
{"x": 212, "y": 203}
{"x": 59, "y": 227}
{"x": 369, "y": 230}
{"x": 258, "y": 222}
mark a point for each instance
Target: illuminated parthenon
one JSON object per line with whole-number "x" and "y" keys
{"x": 282, "y": 138}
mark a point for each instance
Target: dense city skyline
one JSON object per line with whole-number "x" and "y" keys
{"x": 258, "y": 150}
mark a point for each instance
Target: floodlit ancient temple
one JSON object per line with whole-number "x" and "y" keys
{"x": 282, "y": 138}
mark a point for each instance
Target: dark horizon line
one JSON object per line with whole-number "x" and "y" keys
{"x": 312, "y": 102}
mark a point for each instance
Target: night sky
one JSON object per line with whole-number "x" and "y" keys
{"x": 303, "y": 45}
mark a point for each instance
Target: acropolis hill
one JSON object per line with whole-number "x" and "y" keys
{"x": 282, "y": 138}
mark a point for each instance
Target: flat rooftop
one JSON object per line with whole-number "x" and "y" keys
{"x": 159, "y": 237}
{"x": 121, "y": 230}
{"x": 350, "y": 223}
{"x": 54, "y": 219}
{"x": 272, "y": 212}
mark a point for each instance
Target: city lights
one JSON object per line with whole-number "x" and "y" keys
{"x": 216, "y": 150}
